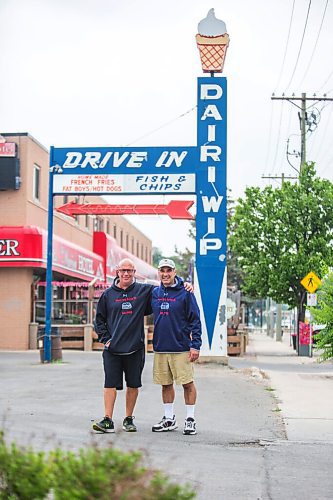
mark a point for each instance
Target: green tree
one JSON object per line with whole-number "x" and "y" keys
{"x": 280, "y": 235}
{"x": 234, "y": 275}
{"x": 323, "y": 314}
{"x": 184, "y": 263}
{"x": 157, "y": 256}
{"x": 183, "y": 260}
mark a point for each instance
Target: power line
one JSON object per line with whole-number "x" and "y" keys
{"x": 294, "y": 153}
{"x": 161, "y": 126}
{"x": 323, "y": 139}
{"x": 327, "y": 79}
{"x": 301, "y": 45}
{"x": 314, "y": 120}
{"x": 278, "y": 138}
{"x": 303, "y": 116}
{"x": 287, "y": 43}
{"x": 315, "y": 45}
{"x": 269, "y": 136}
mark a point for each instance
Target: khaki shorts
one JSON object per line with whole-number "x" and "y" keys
{"x": 173, "y": 367}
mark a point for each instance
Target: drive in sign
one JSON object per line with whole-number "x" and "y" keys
{"x": 101, "y": 184}
{"x": 139, "y": 160}
{"x": 154, "y": 170}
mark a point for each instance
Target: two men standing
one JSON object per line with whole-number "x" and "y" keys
{"x": 177, "y": 340}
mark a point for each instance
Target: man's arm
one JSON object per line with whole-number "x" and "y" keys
{"x": 100, "y": 323}
{"x": 149, "y": 309}
{"x": 195, "y": 325}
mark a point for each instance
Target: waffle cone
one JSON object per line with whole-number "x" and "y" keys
{"x": 212, "y": 52}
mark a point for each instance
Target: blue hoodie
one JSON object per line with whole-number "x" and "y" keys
{"x": 177, "y": 326}
{"x": 120, "y": 314}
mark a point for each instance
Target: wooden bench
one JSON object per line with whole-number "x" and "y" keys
{"x": 97, "y": 346}
{"x": 72, "y": 337}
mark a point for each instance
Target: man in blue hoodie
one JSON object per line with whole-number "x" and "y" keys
{"x": 177, "y": 342}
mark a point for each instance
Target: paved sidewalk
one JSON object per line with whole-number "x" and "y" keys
{"x": 303, "y": 386}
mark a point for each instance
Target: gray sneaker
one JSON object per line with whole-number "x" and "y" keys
{"x": 189, "y": 427}
{"x": 166, "y": 424}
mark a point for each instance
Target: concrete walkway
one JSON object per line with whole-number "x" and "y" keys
{"x": 303, "y": 387}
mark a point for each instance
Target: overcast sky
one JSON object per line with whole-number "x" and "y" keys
{"x": 116, "y": 73}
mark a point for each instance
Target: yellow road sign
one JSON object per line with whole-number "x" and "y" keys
{"x": 311, "y": 282}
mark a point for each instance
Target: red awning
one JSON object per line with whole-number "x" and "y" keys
{"x": 26, "y": 246}
{"x": 108, "y": 248}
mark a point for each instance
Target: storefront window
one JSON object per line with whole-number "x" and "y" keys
{"x": 73, "y": 303}
{"x": 36, "y": 183}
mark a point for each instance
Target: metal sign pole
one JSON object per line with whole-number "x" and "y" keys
{"x": 48, "y": 305}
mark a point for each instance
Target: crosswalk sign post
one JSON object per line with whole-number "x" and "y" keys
{"x": 311, "y": 299}
{"x": 311, "y": 282}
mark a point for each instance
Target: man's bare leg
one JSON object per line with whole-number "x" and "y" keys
{"x": 168, "y": 393}
{"x": 110, "y": 395}
{"x": 131, "y": 397}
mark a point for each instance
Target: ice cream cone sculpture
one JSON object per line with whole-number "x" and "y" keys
{"x": 212, "y": 42}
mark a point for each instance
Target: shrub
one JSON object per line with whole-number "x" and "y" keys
{"x": 323, "y": 314}
{"x": 24, "y": 474}
{"x": 91, "y": 473}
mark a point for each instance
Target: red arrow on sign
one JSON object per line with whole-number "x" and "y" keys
{"x": 175, "y": 209}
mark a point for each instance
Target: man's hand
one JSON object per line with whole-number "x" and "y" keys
{"x": 106, "y": 345}
{"x": 193, "y": 355}
{"x": 188, "y": 287}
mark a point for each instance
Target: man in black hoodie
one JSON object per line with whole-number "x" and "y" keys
{"x": 120, "y": 327}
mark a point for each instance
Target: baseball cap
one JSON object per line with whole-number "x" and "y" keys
{"x": 166, "y": 263}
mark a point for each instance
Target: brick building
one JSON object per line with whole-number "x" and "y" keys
{"x": 85, "y": 249}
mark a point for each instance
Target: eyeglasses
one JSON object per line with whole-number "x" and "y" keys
{"x": 129, "y": 271}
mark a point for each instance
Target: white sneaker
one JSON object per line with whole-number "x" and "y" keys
{"x": 189, "y": 427}
{"x": 166, "y": 424}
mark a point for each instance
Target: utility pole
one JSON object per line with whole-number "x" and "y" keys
{"x": 303, "y": 115}
{"x": 303, "y": 122}
{"x": 303, "y": 130}
{"x": 283, "y": 177}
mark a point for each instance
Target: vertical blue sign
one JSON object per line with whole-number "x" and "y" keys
{"x": 211, "y": 231}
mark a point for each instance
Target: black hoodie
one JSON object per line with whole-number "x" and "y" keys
{"x": 120, "y": 314}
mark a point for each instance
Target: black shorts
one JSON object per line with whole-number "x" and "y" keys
{"x": 115, "y": 365}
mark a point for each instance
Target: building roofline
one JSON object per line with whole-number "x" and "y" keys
{"x": 25, "y": 134}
